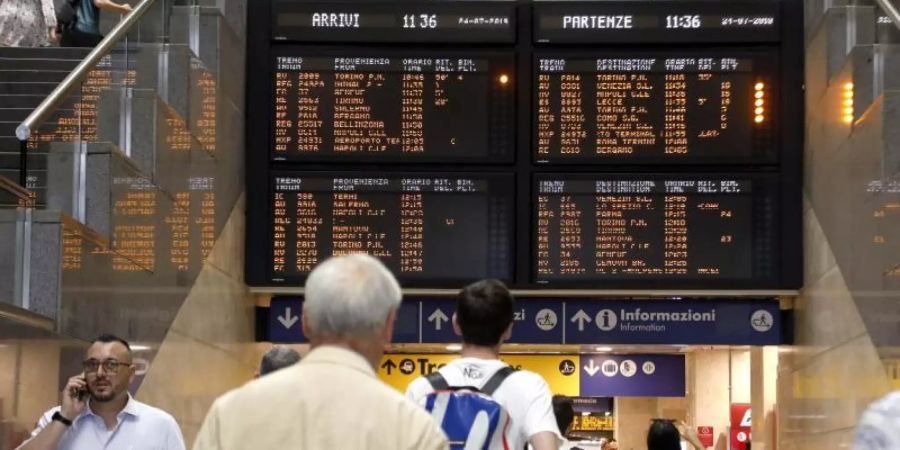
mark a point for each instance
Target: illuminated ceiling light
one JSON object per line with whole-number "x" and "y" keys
{"x": 504, "y": 79}
{"x": 848, "y": 102}
{"x": 759, "y": 119}
{"x": 759, "y": 86}
{"x": 848, "y": 86}
{"x": 760, "y": 111}
{"x": 760, "y": 102}
{"x": 848, "y": 111}
{"x": 759, "y": 94}
{"x": 604, "y": 349}
{"x": 848, "y": 119}
{"x": 848, "y": 94}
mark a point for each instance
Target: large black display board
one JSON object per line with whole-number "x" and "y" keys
{"x": 553, "y": 144}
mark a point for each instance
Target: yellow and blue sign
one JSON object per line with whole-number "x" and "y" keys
{"x": 570, "y": 375}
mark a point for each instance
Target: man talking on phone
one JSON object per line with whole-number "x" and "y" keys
{"x": 97, "y": 412}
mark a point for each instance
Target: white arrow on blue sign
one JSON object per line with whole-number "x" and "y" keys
{"x": 438, "y": 317}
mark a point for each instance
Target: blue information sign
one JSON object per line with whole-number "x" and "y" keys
{"x": 538, "y": 322}
{"x": 736, "y": 322}
{"x": 285, "y": 317}
{"x": 632, "y": 376}
{"x": 436, "y": 320}
{"x": 577, "y": 321}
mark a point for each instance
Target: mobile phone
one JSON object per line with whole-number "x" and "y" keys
{"x": 81, "y": 393}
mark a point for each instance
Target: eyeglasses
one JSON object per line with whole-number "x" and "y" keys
{"x": 109, "y": 365}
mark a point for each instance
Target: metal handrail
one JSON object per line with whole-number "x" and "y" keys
{"x": 891, "y": 11}
{"x": 75, "y": 77}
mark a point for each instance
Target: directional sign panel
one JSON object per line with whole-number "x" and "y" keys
{"x": 406, "y": 327}
{"x": 285, "y": 315}
{"x": 632, "y": 376}
{"x": 560, "y": 371}
{"x": 436, "y": 321}
{"x": 578, "y": 321}
{"x": 538, "y": 322}
{"x": 746, "y": 322}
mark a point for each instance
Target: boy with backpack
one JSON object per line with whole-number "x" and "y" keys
{"x": 479, "y": 401}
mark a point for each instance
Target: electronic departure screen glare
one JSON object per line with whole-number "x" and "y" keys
{"x": 401, "y": 109}
{"x": 422, "y": 226}
{"x": 616, "y": 227}
{"x": 673, "y": 108}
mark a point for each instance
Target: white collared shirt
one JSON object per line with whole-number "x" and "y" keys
{"x": 139, "y": 427}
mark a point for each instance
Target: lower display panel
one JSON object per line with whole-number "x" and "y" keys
{"x": 685, "y": 230}
{"x": 435, "y": 228}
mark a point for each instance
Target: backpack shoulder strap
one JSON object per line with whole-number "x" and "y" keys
{"x": 437, "y": 381}
{"x": 496, "y": 380}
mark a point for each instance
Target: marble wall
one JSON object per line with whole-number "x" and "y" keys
{"x": 847, "y": 315}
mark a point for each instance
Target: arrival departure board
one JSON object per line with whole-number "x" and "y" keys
{"x": 384, "y": 21}
{"x": 580, "y": 144}
{"x": 651, "y": 226}
{"x": 660, "y": 108}
{"x": 694, "y": 21}
{"x": 436, "y": 226}
{"x": 393, "y": 108}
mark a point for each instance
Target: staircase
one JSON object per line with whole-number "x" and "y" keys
{"x": 27, "y": 76}
{"x": 124, "y": 173}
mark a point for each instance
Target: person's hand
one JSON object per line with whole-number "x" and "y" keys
{"x": 126, "y": 8}
{"x": 690, "y": 434}
{"x": 53, "y": 35}
{"x": 73, "y": 398}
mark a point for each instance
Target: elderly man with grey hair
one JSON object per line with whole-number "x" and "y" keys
{"x": 333, "y": 398}
{"x": 277, "y": 358}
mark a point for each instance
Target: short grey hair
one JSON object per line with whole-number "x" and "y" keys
{"x": 278, "y": 358}
{"x": 350, "y": 296}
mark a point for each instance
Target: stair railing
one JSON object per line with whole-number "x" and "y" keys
{"x": 888, "y": 7}
{"x": 73, "y": 80}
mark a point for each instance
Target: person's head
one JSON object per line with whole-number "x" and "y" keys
{"x": 351, "y": 300}
{"x": 564, "y": 412}
{"x": 277, "y": 358}
{"x": 484, "y": 313}
{"x": 108, "y": 368}
{"x": 663, "y": 435}
{"x": 611, "y": 444}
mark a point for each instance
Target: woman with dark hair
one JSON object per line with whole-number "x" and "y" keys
{"x": 663, "y": 435}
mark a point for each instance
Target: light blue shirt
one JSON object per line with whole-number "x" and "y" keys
{"x": 139, "y": 427}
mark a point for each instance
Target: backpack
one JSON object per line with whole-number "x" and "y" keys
{"x": 470, "y": 418}
{"x": 66, "y": 15}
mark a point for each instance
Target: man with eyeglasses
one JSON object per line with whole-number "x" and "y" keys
{"x": 97, "y": 412}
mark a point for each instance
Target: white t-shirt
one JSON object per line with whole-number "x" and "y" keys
{"x": 524, "y": 395}
{"x": 879, "y": 426}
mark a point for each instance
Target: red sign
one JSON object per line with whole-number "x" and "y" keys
{"x": 706, "y": 435}
{"x": 741, "y": 423}
{"x": 740, "y": 415}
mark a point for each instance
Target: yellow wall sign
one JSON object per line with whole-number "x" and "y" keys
{"x": 560, "y": 371}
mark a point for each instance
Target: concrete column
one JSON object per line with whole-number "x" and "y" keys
{"x": 708, "y": 392}
{"x": 764, "y": 379}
